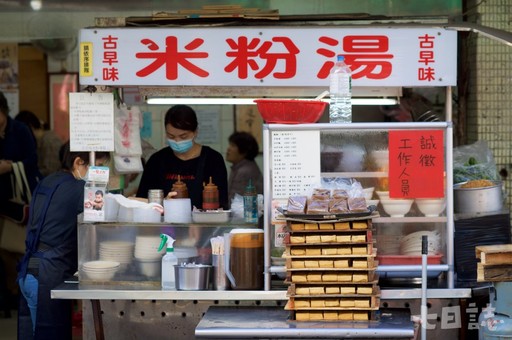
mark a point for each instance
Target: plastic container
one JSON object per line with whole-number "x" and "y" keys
{"x": 407, "y": 259}
{"x": 211, "y": 216}
{"x": 290, "y": 111}
{"x": 340, "y": 91}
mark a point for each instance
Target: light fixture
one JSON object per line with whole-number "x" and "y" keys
{"x": 250, "y": 101}
{"x": 36, "y": 5}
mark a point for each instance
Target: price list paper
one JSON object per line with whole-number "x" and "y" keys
{"x": 91, "y": 121}
{"x": 295, "y": 162}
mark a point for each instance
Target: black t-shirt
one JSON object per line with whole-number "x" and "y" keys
{"x": 163, "y": 169}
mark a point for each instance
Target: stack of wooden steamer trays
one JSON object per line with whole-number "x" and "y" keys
{"x": 331, "y": 270}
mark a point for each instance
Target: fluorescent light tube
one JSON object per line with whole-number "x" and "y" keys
{"x": 250, "y": 101}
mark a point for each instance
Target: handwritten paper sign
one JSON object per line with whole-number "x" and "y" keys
{"x": 91, "y": 121}
{"x": 295, "y": 162}
{"x": 416, "y": 164}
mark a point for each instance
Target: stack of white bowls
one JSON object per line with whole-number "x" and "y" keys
{"x": 100, "y": 270}
{"x": 147, "y": 256}
{"x": 119, "y": 251}
{"x": 411, "y": 244}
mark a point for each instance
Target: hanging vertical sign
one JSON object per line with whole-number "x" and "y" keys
{"x": 416, "y": 164}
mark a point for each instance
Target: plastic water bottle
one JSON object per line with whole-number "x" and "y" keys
{"x": 250, "y": 203}
{"x": 340, "y": 90}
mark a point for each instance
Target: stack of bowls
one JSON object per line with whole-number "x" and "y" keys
{"x": 100, "y": 270}
{"x": 119, "y": 251}
{"x": 411, "y": 244}
{"x": 147, "y": 256}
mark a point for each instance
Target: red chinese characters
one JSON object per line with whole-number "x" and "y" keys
{"x": 365, "y": 54}
{"x": 171, "y": 57}
{"x": 426, "y": 57}
{"x": 109, "y": 71}
{"x": 247, "y": 54}
{"x": 416, "y": 168}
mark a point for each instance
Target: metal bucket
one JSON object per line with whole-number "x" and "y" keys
{"x": 478, "y": 200}
{"x": 192, "y": 276}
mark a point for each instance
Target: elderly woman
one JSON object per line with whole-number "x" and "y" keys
{"x": 241, "y": 152}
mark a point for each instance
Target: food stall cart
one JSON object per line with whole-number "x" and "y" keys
{"x": 294, "y": 61}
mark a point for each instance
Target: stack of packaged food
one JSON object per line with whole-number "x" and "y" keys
{"x": 330, "y": 264}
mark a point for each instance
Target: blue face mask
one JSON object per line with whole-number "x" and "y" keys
{"x": 181, "y": 146}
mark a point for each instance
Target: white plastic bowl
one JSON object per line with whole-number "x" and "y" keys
{"x": 381, "y": 158}
{"x": 396, "y": 207}
{"x": 431, "y": 207}
{"x": 382, "y": 194}
{"x": 100, "y": 270}
{"x": 368, "y": 193}
{"x": 149, "y": 268}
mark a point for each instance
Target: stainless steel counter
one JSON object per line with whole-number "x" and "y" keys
{"x": 113, "y": 292}
{"x": 273, "y": 323}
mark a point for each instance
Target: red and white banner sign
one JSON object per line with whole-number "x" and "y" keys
{"x": 266, "y": 56}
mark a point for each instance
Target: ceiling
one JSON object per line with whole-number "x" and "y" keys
{"x": 124, "y": 5}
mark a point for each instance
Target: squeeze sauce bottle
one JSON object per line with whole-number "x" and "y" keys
{"x": 210, "y": 196}
{"x": 181, "y": 188}
{"x": 169, "y": 260}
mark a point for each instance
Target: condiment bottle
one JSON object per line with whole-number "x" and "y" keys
{"x": 210, "y": 196}
{"x": 250, "y": 203}
{"x": 181, "y": 188}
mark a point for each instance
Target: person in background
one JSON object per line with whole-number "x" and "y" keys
{"x": 241, "y": 152}
{"x": 192, "y": 162}
{"x": 17, "y": 144}
{"x": 48, "y": 143}
{"x": 51, "y": 248}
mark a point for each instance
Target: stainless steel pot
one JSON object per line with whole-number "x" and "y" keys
{"x": 478, "y": 200}
{"x": 192, "y": 276}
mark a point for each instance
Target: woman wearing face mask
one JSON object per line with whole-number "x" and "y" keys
{"x": 192, "y": 162}
{"x": 51, "y": 248}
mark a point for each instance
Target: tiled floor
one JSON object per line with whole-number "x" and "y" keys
{"x": 8, "y": 326}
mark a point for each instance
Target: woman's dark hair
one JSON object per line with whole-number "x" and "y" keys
{"x": 4, "y": 106}
{"x": 181, "y": 117}
{"x": 29, "y": 118}
{"x": 68, "y": 157}
{"x": 246, "y": 143}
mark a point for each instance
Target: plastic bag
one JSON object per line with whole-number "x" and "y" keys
{"x": 473, "y": 161}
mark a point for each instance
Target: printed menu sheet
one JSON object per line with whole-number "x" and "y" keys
{"x": 91, "y": 121}
{"x": 295, "y": 160}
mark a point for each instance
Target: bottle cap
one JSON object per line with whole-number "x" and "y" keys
{"x": 210, "y": 186}
{"x": 250, "y": 189}
{"x": 340, "y": 57}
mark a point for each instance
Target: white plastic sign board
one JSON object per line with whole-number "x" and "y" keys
{"x": 267, "y": 56}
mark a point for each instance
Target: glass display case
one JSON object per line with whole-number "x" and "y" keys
{"x": 303, "y": 156}
{"x": 135, "y": 247}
